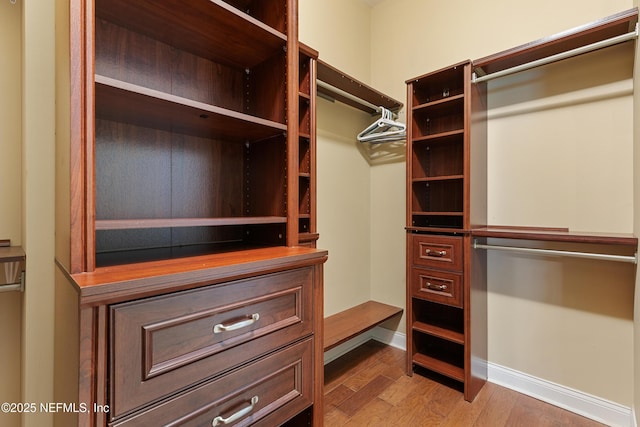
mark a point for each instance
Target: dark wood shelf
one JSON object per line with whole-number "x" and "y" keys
{"x": 128, "y": 103}
{"x": 124, "y": 224}
{"x": 347, "y": 324}
{"x": 556, "y": 235}
{"x": 440, "y": 137}
{"x": 439, "y": 366}
{"x": 438, "y": 178}
{"x": 439, "y": 332}
{"x": 346, "y": 83}
{"x": 10, "y": 253}
{"x": 440, "y": 102}
{"x": 232, "y": 38}
{"x": 600, "y": 30}
{"x": 438, "y": 213}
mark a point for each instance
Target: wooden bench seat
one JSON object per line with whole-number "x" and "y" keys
{"x": 349, "y": 323}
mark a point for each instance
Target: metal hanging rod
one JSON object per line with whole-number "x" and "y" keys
{"x": 559, "y": 56}
{"x": 590, "y": 255}
{"x": 347, "y": 95}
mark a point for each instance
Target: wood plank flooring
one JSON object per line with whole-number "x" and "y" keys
{"x": 368, "y": 387}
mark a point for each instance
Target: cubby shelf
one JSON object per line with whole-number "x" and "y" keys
{"x": 439, "y": 332}
{"x": 124, "y": 224}
{"x": 239, "y": 39}
{"x": 129, "y": 103}
{"x": 439, "y": 366}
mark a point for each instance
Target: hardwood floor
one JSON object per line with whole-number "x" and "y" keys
{"x": 368, "y": 387}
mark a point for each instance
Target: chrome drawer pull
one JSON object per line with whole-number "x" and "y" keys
{"x": 429, "y": 252}
{"x": 219, "y": 420}
{"x": 232, "y": 327}
{"x": 436, "y": 287}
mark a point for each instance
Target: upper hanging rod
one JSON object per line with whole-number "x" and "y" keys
{"x": 591, "y": 255}
{"x": 559, "y": 56}
{"x": 347, "y": 95}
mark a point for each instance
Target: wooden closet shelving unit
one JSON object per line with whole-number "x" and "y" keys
{"x": 446, "y": 321}
{"x": 192, "y": 192}
{"x": 447, "y": 202}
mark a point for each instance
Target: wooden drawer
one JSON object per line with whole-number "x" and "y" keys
{"x": 437, "y": 251}
{"x": 164, "y": 344}
{"x": 266, "y": 392}
{"x": 438, "y": 286}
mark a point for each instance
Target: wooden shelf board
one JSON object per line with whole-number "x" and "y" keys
{"x": 234, "y": 38}
{"x": 438, "y": 213}
{"x": 347, "y": 324}
{"x": 124, "y": 224}
{"x": 346, "y": 83}
{"x": 12, "y": 254}
{"x": 125, "y": 102}
{"x": 440, "y": 137}
{"x": 308, "y": 237}
{"x": 439, "y": 229}
{"x": 439, "y": 366}
{"x": 603, "y": 29}
{"x": 130, "y": 281}
{"x": 555, "y": 235}
{"x": 439, "y": 332}
{"x": 438, "y": 178}
{"x": 440, "y": 103}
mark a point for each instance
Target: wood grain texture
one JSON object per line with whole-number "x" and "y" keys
{"x": 388, "y": 397}
{"x": 346, "y": 324}
{"x": 238, "y": 40}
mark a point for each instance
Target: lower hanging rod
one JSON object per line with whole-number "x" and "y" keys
{"x": 590, "y": 255}
{"x": 559, "y": 56}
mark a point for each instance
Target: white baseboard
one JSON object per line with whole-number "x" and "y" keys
{"x": 595, "y": 408}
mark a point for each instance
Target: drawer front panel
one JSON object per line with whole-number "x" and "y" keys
{"x": 437, "y": 286}
{"x": 164, "y": 344}
{"x": 267, "y": 392}
{"x": 437, "y": 251}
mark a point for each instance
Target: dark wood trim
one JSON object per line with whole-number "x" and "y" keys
{"x": 602, "y": 29}
{"x": 123, "y": 224}
{"x": 346, "y": 83}
{"x": 293, "y": 139}
{"x": 124, "y": 282}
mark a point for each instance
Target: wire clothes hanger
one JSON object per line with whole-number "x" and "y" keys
{"x": 384, "y": 129}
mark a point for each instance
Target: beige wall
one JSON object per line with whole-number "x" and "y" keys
{"x": 38, "y": 159}
{"x": 551, "y": 318}
{"x": 10, "y": 194}
{"x": 344, "y": 187}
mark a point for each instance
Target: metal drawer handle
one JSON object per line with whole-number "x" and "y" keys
{"x": 219, "y": 420}
{"x": 429, "y": 252}
{"x": 436, "y": 287}
{"x": 232, "y": 327}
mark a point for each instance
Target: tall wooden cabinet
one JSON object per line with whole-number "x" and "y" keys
{"x": 446, "y": 193}
{"x": 184, "y": 293}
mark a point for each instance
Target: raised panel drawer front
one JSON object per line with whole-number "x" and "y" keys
{"x": 438, "y": 286}
{"x": 437, "y": 251}
{"x": 164, "y": 344}
{"x": 266, "y": 392}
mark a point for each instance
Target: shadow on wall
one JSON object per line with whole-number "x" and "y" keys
{"x": 599, "y": 287}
